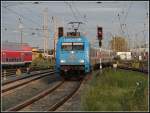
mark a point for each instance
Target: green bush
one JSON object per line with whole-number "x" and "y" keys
{"x": 41, "y": 63}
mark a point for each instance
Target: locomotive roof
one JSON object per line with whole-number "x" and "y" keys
{"x": 71, "y": 38}
{"x": 16, "y": 46}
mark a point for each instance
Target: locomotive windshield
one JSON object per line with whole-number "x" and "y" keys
{"x": 72, "y": 46}
{"x": 78, "y": 46}
{"x": 66, "y": 46}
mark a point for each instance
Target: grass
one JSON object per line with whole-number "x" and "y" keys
{"x": 116, "y": 91}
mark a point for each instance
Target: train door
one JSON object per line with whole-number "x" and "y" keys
{"x": 3, "y": 57}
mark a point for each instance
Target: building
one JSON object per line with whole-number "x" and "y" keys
{"x": 141, "y": 53}
{"x": 124, "y": 55}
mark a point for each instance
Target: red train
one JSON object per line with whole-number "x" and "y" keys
{"x": 15, "y": 54}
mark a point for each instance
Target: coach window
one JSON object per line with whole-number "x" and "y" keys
{"x": 29, "y": 53}
{"x": 6, "y": 59}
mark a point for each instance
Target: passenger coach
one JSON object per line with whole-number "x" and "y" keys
{"x": 15, "y": 54}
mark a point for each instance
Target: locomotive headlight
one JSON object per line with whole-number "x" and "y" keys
{"x": 72, "y": 52}
{"x": 81, "y": 61}
{"x": 62, "y": 61}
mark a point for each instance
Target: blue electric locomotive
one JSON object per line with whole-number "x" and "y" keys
{"x": 72, "y": 54}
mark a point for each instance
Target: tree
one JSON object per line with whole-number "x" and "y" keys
{"x": 119, "y": 44}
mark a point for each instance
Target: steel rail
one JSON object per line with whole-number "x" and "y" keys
{"x": 23, "y": 83}
{"x": 11, "y": 81}
{"x": 63, "y": 100}
{"x": 35, "y": 98}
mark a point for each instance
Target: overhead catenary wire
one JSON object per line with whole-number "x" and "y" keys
{"x": 82, "y": 16}
{"x": 36, "y": 28}
{"x": 38, "y": 15}
{"x": 123, "y": 24}
{"x": 74, "y": 15}
{"x": 23, "y": 3}
{"x": 120, "y": 24}
{"x": 129, "y": 8}
{"x": 21, "y": 16}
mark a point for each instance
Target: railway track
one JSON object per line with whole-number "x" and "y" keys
{"x": 49, "y": 99}
{"x": 10, "y": 72}
{"x": 16, "y": 96}
{"x": 23, "y": 77}
{"x": 10, "y": 85}
{"x": 64, "y": 100}
{"x": 145, "y": 71}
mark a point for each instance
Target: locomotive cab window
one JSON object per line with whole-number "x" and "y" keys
{"x": 72, "y": 46}
{"x": 66, "y": 46}
{"x": 78, "y": 46}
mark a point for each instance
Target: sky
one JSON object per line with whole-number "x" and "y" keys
{"x": 132, "y": 15}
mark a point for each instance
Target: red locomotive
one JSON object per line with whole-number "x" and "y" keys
{"x": 15, "y": 54}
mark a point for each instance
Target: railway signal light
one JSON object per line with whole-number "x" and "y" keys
{"x": 100, "y": 43}
{"x": 99, "y": 33}
{"x": 60, "y": 31}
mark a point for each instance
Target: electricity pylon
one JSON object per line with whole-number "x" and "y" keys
{"x": 56, "y": 24}
{"x": 46, "y": 33}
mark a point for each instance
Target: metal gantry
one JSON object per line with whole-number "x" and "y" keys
{"x": 20, "y": 26}
{"x": 46, "y": 33}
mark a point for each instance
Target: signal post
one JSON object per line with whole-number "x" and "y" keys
{"x": 100, "y": 36}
